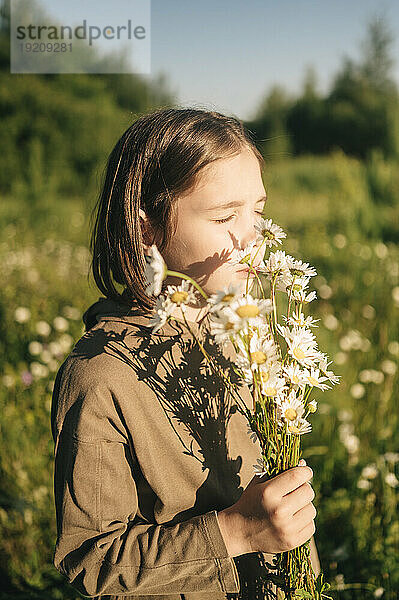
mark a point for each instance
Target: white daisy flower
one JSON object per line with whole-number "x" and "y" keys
{"x": 286, "y": 280}
{"x": 155, "y": 271}
{"x": 314, "y": 378}
{"x": 175, "y": 297}
{"x": 163, "y": 310}
{"x": 300, "y": 320}
{"x": 312, "y": 406}
{"x": 303, "y": 297}
{"x": 223, "y": 326}
{"x": 301, "y": 344}
{"x": 247, "y": 255}
{"x": 182, "y": 294}
{"x": 262, "y": 351}
{"x": 272, "y": 384}
{"x": 300, "y": 426}
{"x": 269, "y": 230}
{"x": 289, "y": 409}
{"x": 249, "y": 311}
{"x": 223, "y": 297}
{"x": 298, "y": 268}
{"x": 294, "y": 374}
{"x": 323, "y": 364}
{"x": 276, "y": 264}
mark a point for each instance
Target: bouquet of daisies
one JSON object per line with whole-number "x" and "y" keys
{"x": 279, "y": 361}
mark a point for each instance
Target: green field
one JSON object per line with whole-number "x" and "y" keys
{"x": 340, "y": 215}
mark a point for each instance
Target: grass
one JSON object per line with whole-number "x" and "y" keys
{"x": 341, "y": 216}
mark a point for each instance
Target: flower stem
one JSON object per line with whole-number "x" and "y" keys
{"x": 188, "y": 278}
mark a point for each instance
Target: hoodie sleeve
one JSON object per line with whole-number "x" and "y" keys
{"x": 103, "y": 546}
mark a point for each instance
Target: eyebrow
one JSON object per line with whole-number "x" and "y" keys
{"x": 234, "y": 203}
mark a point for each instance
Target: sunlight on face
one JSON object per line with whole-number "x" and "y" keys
{"x": 209, "y": 234}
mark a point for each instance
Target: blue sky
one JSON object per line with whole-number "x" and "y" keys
{"x": 226, "y": 54}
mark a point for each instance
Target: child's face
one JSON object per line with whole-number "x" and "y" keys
{"x": 203, "y": 248}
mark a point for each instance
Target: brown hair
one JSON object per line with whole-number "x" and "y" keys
{"x": 157, "y": 158}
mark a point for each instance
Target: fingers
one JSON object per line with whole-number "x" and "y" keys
{"x": 298, "y": 498}
{"x": 306, "y": 533}
{"x": 291, "y": 479}
{"x": 304, "y": 516}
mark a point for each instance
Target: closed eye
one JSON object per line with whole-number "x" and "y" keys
{"x": 231, "y": 216}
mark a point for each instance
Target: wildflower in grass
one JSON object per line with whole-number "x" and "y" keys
{"x": 392, "y": 457}
{"x": 363, "y": 484}
{"x": 43, "y": 328}
{"x": 35, "y": 347}
{"x": 60, "y": 324}
{"x": 272, "y": 233}
{"x": 391, "y": 480}
{"x": 22, "y": 314}
{"x": 357, "y": 391}
{"x": 370, "y": 471}
{"x": 26, "y": 377}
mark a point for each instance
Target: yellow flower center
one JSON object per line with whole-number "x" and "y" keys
{"x": 312, "y": 408}
{"x": 293, "y": 429}
{"x": 298, "y": 353}
{"x": 264, "y": 375}
{"x": 295, "y": 379}
{"x": 247, "y": 311}
{"x": 270, "y": 391}
{"x": 229, "y": 325}
{"x": 179, "y": 297}
{"x": 227, "y": 297}
{"x": 258, "y": 357}
{"x": 312, "y": 380}
{"x": 290, "y": 414}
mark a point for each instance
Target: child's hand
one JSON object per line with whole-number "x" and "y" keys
{"x": 271, "y": 516}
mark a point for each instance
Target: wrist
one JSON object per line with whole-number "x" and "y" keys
{"x": 231, "y": 528}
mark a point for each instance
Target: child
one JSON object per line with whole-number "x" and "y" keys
{"x": 154, "y": 482}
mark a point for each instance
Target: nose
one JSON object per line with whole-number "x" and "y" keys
{"x": 249, "y": 234}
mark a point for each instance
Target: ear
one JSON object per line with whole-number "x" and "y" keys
{"x": 147, "y": 231}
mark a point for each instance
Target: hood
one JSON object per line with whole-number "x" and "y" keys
{"x": 101, "y": 308}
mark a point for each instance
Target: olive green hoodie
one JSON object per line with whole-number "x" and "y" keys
{"x": 148, "y": 447}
